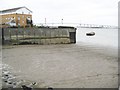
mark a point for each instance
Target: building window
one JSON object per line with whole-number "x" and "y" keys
{"x": 18, "y": 18}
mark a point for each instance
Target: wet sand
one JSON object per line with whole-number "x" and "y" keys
{"x": 66, "y": 65}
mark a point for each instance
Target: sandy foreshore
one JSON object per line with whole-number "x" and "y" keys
{"x": 66, "y": 65}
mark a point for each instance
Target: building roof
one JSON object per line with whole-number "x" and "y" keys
{"x": 13, "y": 10}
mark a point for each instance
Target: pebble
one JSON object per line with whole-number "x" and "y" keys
{"x": 10, "y": 81}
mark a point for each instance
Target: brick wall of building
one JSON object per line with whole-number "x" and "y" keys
{"x": 20, "y": 19}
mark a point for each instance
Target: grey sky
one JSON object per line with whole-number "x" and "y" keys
{"x": 72, "y": 11}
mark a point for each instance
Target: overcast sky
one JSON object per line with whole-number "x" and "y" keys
{"x": 103, "y": 12}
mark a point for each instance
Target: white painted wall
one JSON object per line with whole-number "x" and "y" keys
{"x": 23, "y": 11}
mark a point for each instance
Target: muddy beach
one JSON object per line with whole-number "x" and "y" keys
{"x": 66, "y": 66}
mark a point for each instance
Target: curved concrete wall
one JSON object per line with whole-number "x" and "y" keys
{"x": 41, "y": 35}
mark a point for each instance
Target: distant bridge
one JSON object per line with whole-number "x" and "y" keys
{"x": 78, "y": 25}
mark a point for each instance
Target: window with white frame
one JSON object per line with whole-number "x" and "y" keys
{"x": 18, "y": 17}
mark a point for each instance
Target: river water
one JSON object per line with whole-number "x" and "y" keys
{"x": 104, "y": 37}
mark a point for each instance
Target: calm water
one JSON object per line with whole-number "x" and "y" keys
{"x": 104, "y": 37}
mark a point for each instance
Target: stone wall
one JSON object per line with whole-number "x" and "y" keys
{"x": 39, "y": 35}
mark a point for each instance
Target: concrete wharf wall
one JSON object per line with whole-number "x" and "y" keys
{"x": 39, "y": 35}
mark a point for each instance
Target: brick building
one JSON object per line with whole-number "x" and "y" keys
{"x": 20, "y": 16}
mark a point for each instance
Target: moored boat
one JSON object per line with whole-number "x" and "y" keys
{"x": 90, "y": 34}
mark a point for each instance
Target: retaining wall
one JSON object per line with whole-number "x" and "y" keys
{"x": 39, "y": 35}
